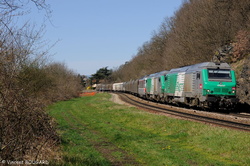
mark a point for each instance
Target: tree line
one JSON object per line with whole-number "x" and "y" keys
{"x": 199, "y": 31}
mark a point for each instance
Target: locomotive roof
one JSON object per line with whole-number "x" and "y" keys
{"x": 200, "y": 66}
{"x": 164, "y": 72}
{"x": 158, "y": 74}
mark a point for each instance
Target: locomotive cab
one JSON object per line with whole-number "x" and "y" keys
{"x": 219, "y": 87}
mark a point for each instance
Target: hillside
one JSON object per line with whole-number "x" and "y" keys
{"x": 199, "y": 31}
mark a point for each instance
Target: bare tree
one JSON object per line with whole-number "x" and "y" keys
{"x": 25, "y": 128}
{"x": 192, "y": 35}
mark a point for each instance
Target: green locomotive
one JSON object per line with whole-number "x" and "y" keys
{"x": 205, "y": 85}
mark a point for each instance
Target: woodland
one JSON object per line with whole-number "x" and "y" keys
{"x": 199, "y": 31}
{"x": 29, "y": 82}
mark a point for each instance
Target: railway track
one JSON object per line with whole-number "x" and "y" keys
{"x": 242, "y": 115}
{"x": 235, "y": 121}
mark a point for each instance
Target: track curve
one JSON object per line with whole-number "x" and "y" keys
{"x": 228, "y": 121}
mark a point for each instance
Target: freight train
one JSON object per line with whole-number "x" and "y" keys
{"x": 206, "y": 85}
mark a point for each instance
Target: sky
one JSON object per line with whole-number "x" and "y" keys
{"x": 92, "y": 34}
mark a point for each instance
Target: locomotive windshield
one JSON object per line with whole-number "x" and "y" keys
{"x": 219, "y": 74}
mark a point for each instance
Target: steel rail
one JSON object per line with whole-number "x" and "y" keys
{"x": 214, "y": 121}
{"x": 240, "y": 115}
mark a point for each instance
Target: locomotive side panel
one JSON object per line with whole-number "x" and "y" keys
{"x": 170, "y": 84}
{"x": 150, "y": 85}
{"x": 179, "y": 88}
{"x": 157, "y": 87}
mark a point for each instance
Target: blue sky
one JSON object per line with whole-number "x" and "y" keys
{"x": 97, "y": 33}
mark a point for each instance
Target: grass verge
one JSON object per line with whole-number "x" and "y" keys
{"x": 95, "y": 131}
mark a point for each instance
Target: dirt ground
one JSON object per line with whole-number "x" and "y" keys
{"x": 116, "y": 99}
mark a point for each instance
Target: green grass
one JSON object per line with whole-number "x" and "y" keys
{"x": 95, "y": 131}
